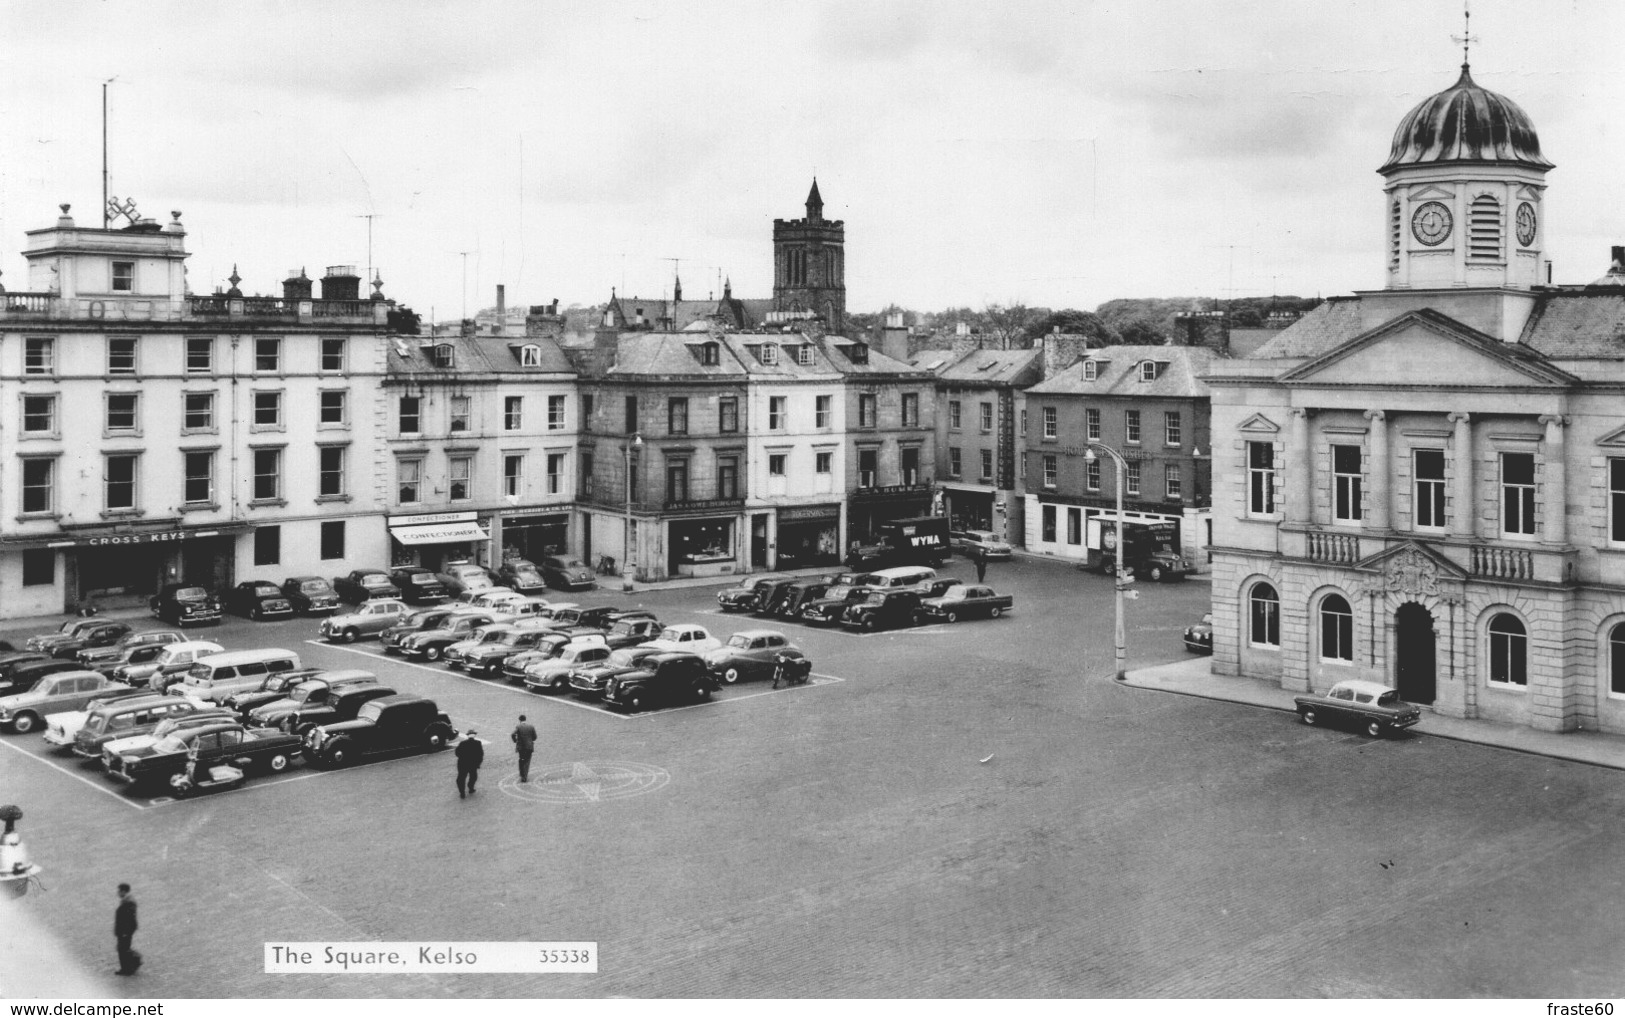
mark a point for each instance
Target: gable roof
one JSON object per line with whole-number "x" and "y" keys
{"x": 477, "y": 355}
{"x": 1117, "y": 373}
{"x": 993, "y": 367}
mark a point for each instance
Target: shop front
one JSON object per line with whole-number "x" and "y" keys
{"x": 431, "y": 540}
{"x": 969, "y": 508}
{"x": 114, "y": 567}
{"x": 702, "y": 545}
{"x": 867, "y": 508}
{"x": 809, "y": 535}
{"x": 534, "y": 536}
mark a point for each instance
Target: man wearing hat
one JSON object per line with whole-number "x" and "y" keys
{"x": 524, "y": 743}
{"x": 470, "y": 754}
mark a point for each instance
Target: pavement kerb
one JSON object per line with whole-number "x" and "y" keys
{"x": 1195, "y": 678}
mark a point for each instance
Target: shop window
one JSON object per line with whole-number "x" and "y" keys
{"x": 677, "y": 415}
{"x": 777, "y": 412}
{"x": 1131, "y": 427}
{"x": 821, "y": 411}
{"x": 199, "y": 355}
{"x": 956, "y": 461}
{"x": 1173, "y": 428}
{"x": 268, "y": 409}
{"x": 199, "y": 480}
{"x": 513, "y": 413}
{"x": 268, "y": 546}
{"x": 331, "y": 482}
{"x": 555, "y": 473}
{"x": 1427, "y": 470}
{"x": 1261, "y": 478}
{"x": 1263, "y": 616}
{"x": 824, "y": 463}
{"x": 868, "y": 467}
{"x": 987, "y": 418}
{"x": 39, "y": 415}
{"x": 866, "y": 409}
{"x": 513, "y": 475}
{"x": 911, "y": 409}
{"x": 1517, "y": 493}
{"x": 198, "y": 411}
{"x": 410, "y": 414}
{"x": 459, "y": 469}
{"x": 334, "y": 408}
{"x": 1074, "y": 525}
{"x": 1091, "y": 474}
{"x": 555, "y": 413}
{"x": 121, "y": 355}
{"x": 267, "y": 475}
{"x": 39, "y": 567}
{"x": 408, "y": 481}
{"x": 1052, "y": 423}
{"x": 911, "y": 465}
{"x": 1047, "y": 525}
{"x": 987, "y": 464}
{"x": 459, "y": 408}
{"x": 39, "y": 485}
{"x": 1346, "y": 481}
{"x": 333, "y": 360}
{"x": 1336, "y": 629}
{"x": 776, "y": 464}
{"x": 954, "y": 415}
{"x": 728, "y": 414}
{"x": 1509, "y": 648}
{"x": 39, "y": 355}
{"x": 268, "y": 353}
{"x": 1052, "y": 470}
{"x": 123, "y": 277}
{"x": 333, "y": 539}
{"x": 727, "y": 477}
{"x": 677, "y": 481}
{"x": 118, "y": 483}
{"x": 1091, "y": 424}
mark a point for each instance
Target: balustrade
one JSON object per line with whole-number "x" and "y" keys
{"x": 1503, "y": 563}
{"x": 1343, "y": 549}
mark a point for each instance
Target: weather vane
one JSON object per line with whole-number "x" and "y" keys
{"x": 126, "y": 208}
{"x": 1466, "y": 38}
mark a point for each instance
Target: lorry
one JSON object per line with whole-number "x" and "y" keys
{"x": 914, "y": 541}
{"x": 1150, "y": 550}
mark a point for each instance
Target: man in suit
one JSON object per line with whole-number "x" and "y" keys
{"x": 524, "y": 743}
{"x": 124, "y": 927}
{"x": 470, "y": 754}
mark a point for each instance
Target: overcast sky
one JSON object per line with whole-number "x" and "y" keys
{"x": 1051, "y": 154}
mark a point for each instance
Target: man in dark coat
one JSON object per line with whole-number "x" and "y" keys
{"x": 978, "y": 556}
{"x": 470, "y": 754}
{"x": 524, "y": 743}
{"x": 124, "y": 927}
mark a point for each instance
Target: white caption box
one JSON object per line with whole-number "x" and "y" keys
{"x": 371, "y": 956}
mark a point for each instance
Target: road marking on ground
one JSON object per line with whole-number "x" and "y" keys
{"x": 73, "y": 774}
{"x": 588, "y": 781}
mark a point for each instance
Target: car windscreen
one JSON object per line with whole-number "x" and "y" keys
{"x": 739, "y": 640}
{"x": 422, "y": 578}
{"x": 374, "y": 580}
{"x": 169, "y": 744}
{"x": 314, "y": 587}
{"x": 370, "y": 711}
{"x": 191, "y": 594}
{"x": 305, "y": 691}
{"x": 266, "y": 590}
{"x": 669, "y": 634}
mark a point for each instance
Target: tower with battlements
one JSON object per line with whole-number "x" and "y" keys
{"x": 809, "y": 264}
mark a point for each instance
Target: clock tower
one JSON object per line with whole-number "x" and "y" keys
{"x": 1463, "y": 188}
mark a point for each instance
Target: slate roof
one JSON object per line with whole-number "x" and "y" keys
{"x": 1568, "y": 325}
{"x": 990, "y": 367}
{"x": 477, "y": 355}
{"x": 1331, "y": 323}
{"x": 1118, "y": 373}
{"x": 672, "y": 353}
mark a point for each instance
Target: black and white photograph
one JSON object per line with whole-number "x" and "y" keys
{"x": 638, "y": 502}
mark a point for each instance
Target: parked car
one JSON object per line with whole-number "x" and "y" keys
{"x": 392, "y": 723}
{"x": 521, "y": 575}
{"x": 1375, "y": 708}
{"x": 485, "y": 655}
{"x": 458, "y": 577}
{"x": 425, "y": 618}
{"x": 799, "y": 595}
{"x": 218, "y": 677}
{"x": 564, "y": 614}
{"x": 550, "y": 645}
{"x": 169, "y": 666}
{"x": 126, "y": 717}
{"x": 604, "y": 616}
{"x": 343, "y": 701}
{"x": 68, "y": 690}
{"x": 747, "y": 595}
{"x": 553, "y": 674}
{"x": 146, "y": 645}
{"x": 660, "y": 679}
{"x": 567, "y": 574}
{"x": 1199, "y": 637}
{"x": 60, "y": 727}
{"x": 472, "y": 596}
{"x": 772, "y": 598}
{"x": 983, "y": 542}
{"x": 588, "y": 681}
{"x": 883, "y": 609}
{"x": 429, "y": 644}
{"x": 28, "y": 674}
{"x": 10, "y": 662}
{"x": 752, "y": 654}
{"x": 75, "y": 634}
{"x": 258, "y": 599}
{"x": 184, "y": 604}
{"x": 502, "y": 599}
{"x": 686, "y": 637}
{"x": 206, "y": 715}
{"x": 632, "y": 631}
{"x": 369, "y": 619}
{"x": 311, "y": 595}
{"x": 274, "y": 687}
{"x": 419, "y": 586}
{"x": 831, "y": 608}
{"x": 307, "y": 695}
{"x": 227, "y": 742}
{"x": 965, "y": 601}
{"x": 360, "y": 585}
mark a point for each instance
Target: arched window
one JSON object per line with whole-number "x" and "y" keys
{"x": 1264, "y": 616}
{"x": 1509, "y": 651}
{"x": 1336, "y": 629}
{"x": 1616, "y": 660}
{"x": 1484, "y": 229}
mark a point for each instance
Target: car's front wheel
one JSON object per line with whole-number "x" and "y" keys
{"x": 434, "y": 739}
{"x": 352, "y": 634}
{"x": 431, "y": 653}
{"x": 1375, "y": 729}
{"x": 278, "y": 763}
{"x": 559, "y": 684}
{"x": 952, "y": 616}
{"x": 1309, "y": 716}
{"x": 337, "y": 756}
{"x": 702, "y": 692}
{"x": 635, "y": 701}
{"x": 25, "y": 722}
{"x": 995, "y": 613}
{"x": 730, "y": 675}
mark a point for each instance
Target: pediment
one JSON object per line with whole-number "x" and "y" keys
{"x": 1431, "y": 191}
{"x": 1258, "y": 424}
{"x": 1425, "y": 349}
{"x": 1528, "y": 193}
{"x": 1614, "y": 439}
{"x": 1412, "y": 568}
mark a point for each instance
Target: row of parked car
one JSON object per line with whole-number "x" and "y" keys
{"x": 182, "y": 604}
{"x": 888, "y": 598}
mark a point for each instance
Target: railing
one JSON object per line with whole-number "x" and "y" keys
{"x": 27, "y": 303}
{"x": 1343, "y": 549}
{"x": 271, "y": 306}
{"x": 1503, "y": 563}
{"x": 208, "y": 306}
{"x": 342, "y": 308}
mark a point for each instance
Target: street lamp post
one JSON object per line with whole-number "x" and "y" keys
{"x": 1120, "y": 579}
{"x": 628, "y": 566}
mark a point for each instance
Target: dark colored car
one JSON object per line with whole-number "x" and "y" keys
{"x": 389, "y": 724}
{"x": 521, "y": 575}
{"x": 25, "y": 675}
{"x": 227, "y": 743}
{"x": 883, "y": 609}
{"x": 514, "y": 669}
{"x": 965, "y": 601}
{"x": 272, "y": 688}
{"x": 588, "y": 681}
{"x": 133, "y": 647}
{"x": 498, "y": 644}
{"x": 567, "y": 574}
{"x": 42, "y": 642}
{"x": 799, "y": 595}
{"x": 258, "y": 599}
{"x": 772, "y": 598}
{"x": 754, "y": 654}
{"x": 607, "y": 615}
{"x": 429, "y": 644}
{"x": 307, "y": 695}
{"x": 671, "y": 677}
{"x": 1375, "y": 708}
{"x": 185, "y": 604}
{"x": 747, "y": 595}
{"x": 344, "y": 701}
{"x": 427, "y": 618}
{"x": 937, "y": 587}
{"x": 1199, "y": 638}
{"x": 629, "y": 632}
{"x": 67, "y": 646}
{"x": 360, "y": 585}
{"x": 419, "y": 586}
{"x": 458, "y": 578}
{"x": 9, "y": 663}
{"x": 565, "y": 616}
{"x": 310, "y": 595}
{"x": 829, "y": 609}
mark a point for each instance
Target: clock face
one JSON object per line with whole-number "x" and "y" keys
{"x": 1526, "y": 224}
{"x": 1431, "y": 223}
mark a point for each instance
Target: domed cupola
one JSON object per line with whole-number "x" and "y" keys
{"x": 1466, "y": 123}
{"x": 1464, "y": 183}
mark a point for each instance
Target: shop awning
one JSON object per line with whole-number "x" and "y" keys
{"x": 438, "y": 533}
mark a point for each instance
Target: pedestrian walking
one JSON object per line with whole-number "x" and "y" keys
{"x": 979, "y": 557}
{"x": 124, "y": 927}
{"x": 524, "y": 743}
{"x": 470, "y": 754}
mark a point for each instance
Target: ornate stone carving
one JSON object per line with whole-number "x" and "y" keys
{"x": 1411, "y": 572}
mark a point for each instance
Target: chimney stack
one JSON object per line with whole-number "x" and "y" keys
{"x": 341, "y": 283}
{"x": 502, "y": 299}
{"x": 296, "y": 286}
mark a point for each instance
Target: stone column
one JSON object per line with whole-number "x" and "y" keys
{"x": 1556, "y": 486}
{"x": 1463, "y": 522}
{"x": 1382, "y": 483}
{"x": 1300, "y": 464}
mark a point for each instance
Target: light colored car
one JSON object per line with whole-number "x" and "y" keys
{"x": 168, "y": 667}
{"x": 751, "y": 654}
{"x": 369, "y": 619}
{"x": 1375, "y": 708}
{"x": 475, "y": 596}
{"x": 502, "y": 599}
{"x": 985, "y": 542}
{"x": 686, "y": 637}
{"x": 64, "y": 691}
{"x": 554, "y": 673}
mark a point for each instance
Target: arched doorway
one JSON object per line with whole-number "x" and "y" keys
{"x": 1413, "y": 654}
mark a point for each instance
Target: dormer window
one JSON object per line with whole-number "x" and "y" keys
{"x": 770, "y": 353}
{"x": 123, "y": 277}
{"x": 1091, "y": 371}
{"x": 443, "y": 355}
{"x": 530, "y": 356}
{"x": 857, "y": 353}
{"x": 804, "y": 354}
{"x": 1148, "y": 371}
{"x": 709, "y": 354}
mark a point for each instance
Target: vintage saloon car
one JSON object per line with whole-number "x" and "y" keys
{"x": 485, "y": 654}
{"x": 168, "y": 667}
{"x": 553, "y": 673}
{"x": 391, "y": 723}
{"x": 259, "y": 599}
{"x": 747, "y": 595}
{"x": 133, "y": 647}
{"x": 549, "y": 646}
{"x": 979, "y": 542}
{"x": 883, "y": 609}
{"x": 831, "y": 608}
{"x": 207, "y": 715}
{"x": 77, "y": 634}
{"x": 665, "y": 678}
{"x": 10, "y": 664}
{"x": 370, "y": 618}
{"x": 1375, "y": 708}
{"x": 567, "y": 574}
{"x": 419, "y": 586}
{"x": 307, "y": 695}
{"x": 965, "y": 601}
{"x": 424, "y": 618}
{"x": 225, "y": 743}
{"x": 310, "y": 594}
{"x": 588, "y": 681}
{"x": 429, "y": 644}
{"x": 462, "y": 577}
{"x": 521, "y": 575}
{"x": 123, "y": 718}
{"x": 632, "y": 631}
{"x": 1199, "y": 637}
{"x": 63, "y": 691}
{"x": 272, "y": 688}
{"x": 799, "y": 595}
{"x": 360, "y": 585}
{"x": 184, "y": 604}
{"x": 685, "y": 637}
{"x": 753, "y": 654}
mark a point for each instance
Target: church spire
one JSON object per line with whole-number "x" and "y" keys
{"x": 677, "y": 289}
{"x": 815, "y": 203}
